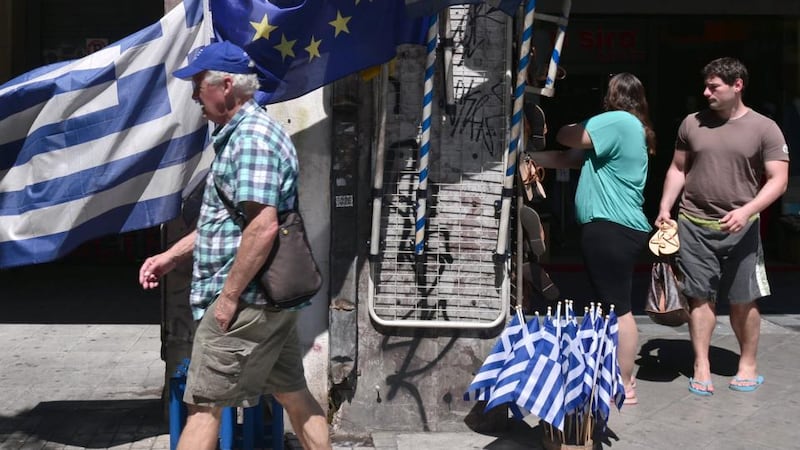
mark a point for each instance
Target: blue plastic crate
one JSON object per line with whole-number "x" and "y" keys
{"x": 251, "y": 433}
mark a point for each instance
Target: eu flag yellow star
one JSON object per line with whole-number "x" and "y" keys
{"x": 263, "y": 28}
{"x": 340, "y": 24}
{"x": 313, "y": 49}
{"x": 286, "y": 47}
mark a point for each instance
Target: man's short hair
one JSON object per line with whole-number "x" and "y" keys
{"x": 727, "y": 69}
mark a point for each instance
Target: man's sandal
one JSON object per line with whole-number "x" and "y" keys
{"x": 701, "y": 388}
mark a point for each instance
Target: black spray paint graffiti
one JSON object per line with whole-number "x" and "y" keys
{"x": 471, "y": 119}
{"x": 466, "y": 31}
{"x": 438, "y": 252}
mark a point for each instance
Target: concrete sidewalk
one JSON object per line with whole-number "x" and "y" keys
{"x": 80, "y": 367}
{"x": 99, "y": 386}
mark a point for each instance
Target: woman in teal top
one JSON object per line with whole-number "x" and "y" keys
{"x": 611, "y": 149}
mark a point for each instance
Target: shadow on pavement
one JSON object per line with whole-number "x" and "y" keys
{"x": 87, "y": 424}
{"x": 664, "y": 360}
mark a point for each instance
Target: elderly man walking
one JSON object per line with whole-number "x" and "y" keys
{"x": 243, "y": 347}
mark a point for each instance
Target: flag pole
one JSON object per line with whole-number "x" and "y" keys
{"x": 516, "y": 120}
{"x": 422, "y": 162}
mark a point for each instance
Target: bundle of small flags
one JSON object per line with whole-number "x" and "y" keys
{"x": 564, "y": 372}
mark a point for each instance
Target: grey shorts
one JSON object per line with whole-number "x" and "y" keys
{"x": 721, "y": 266}
{"x": 259, "y": 354}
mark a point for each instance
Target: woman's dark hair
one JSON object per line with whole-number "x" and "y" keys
{"x": 626, "y": 93}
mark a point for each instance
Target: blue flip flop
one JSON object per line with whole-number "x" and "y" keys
{"x": 753, "y": 384}
{"x": 705, "y": 392}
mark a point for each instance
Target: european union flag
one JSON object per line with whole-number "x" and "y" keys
{"x": 100, "y": 145}
{"x": 299, "y": 46}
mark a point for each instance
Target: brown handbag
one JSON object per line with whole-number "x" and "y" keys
{"x": 666, "y": 304}
{"x": 290, "y": 275}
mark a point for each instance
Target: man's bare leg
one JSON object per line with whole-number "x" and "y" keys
{"x": 746, "y": 324}
{"x": 307, "y": 418}
{"x": 702, "y": 319}
{"x": 201, "y": 431}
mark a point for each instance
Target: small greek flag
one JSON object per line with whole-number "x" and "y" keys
{"x": 485, "y": 379}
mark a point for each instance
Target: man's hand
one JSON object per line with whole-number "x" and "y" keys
{"x": 154, "y": 268}
{"x": 224, "y": 310}
{"x": 734, "y": 221}
{"x": 663, "y": 216}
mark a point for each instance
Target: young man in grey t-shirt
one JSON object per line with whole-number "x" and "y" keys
{"x": 731, "y": 163}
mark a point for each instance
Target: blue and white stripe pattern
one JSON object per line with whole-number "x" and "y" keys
{"x": 425, "y": 147}
{"x": 516, "y": 126}
{"x": 573, "y": 366}
{"x": 554, "y": 371}
{"x": 100, "y": 145}
{"x": 589, "y": 342}
{"x": 609, "y": 384}
{"x": 513, "y": 371}
{"x": 555, "y": 59}
{"x": 485, "y": 379}
{"x": 543, "y": 392}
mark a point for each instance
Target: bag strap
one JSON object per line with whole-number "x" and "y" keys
{"x": 239, "y": 217}
{"x": 237, "y": 214}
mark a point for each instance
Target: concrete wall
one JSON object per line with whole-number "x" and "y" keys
{"x": 307, "y": 120}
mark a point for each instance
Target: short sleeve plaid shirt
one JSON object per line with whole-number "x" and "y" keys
{"x": 255, "y": 162}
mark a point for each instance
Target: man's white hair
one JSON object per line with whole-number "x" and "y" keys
{"x": 244, "y": 84}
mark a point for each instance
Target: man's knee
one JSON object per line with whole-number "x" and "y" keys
{"x": 301, "y": 402}
{"x": 204, "y": 414}
{"x": 701, "y": 304}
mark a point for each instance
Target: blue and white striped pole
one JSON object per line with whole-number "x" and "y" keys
{"x": 516, "y": 122}
{"x": 552, "y": 70}
{"x": 425, "y": 145}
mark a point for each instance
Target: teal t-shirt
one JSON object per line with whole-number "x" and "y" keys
{"x": 611, "y": 185}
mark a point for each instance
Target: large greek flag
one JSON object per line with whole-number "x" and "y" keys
{"x": 99, "y": 145}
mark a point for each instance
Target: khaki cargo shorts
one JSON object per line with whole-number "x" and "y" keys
{"x": 259, "y": 354}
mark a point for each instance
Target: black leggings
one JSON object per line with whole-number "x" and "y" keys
{"x": 610, "y": 252}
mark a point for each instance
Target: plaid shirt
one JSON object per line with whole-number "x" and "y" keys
{"x": 256, "y": 162}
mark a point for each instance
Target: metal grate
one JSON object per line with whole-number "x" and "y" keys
{"x": 457, "y": 284}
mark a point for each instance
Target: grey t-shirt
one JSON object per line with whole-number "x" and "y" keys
{"x": 725, "y": 160}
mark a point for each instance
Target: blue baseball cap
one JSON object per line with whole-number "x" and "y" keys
{"x": 222, "y": 56}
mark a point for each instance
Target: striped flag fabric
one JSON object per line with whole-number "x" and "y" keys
{"x": 106, "y": 144}
{"x": 610, "y": 389}
{"x": 100, "y": 145}
{"x": 573, "y": 368}
{"x": 513, "y": 371}
{"x": 590, "y": 347}
{"x": 542, "y": 393}
{"x": 486, "y": 377}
